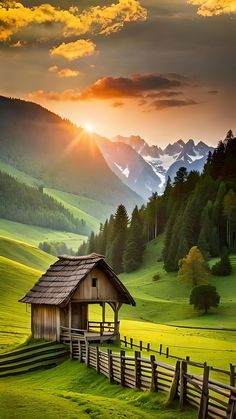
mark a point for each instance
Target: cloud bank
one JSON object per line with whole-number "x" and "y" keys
{"x": 214, "y": 7}
{"x": 153, "y": 91}
{"x": 14, "y": 17}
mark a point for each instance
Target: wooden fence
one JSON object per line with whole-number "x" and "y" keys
{"x": 165, "y": 351}
{"x": 212, "y": 398}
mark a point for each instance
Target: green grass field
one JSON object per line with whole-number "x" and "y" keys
{"x": 91, "y": 211}
{"x": 34, "y": 235}
{"x": 162, "y": 309}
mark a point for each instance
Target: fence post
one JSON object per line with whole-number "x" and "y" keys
{"x": 154, "y": 386}
{"x": 131, "y": 343}
{"x": 160, "y": 352}
{"x": 97, "y": 360}
{"x": 183, "y": 384}
{"x": 125, "y": 339}
{"x": 137, "y": 369}
{"x": 148, "y": 347}
{"x": 141, "y": 345}
{"x": 175, "y": 384}
{"x": 80, "y": 351}
{"x": 110, "y": 366}
{"x": 122, "y": 368}
{"x": 87, "y": 355}
{"x": 231, "y": 409}
{"x": 203, "y": 409}
{"x": 232, "y": 375}
{"x": 167, "y": 352}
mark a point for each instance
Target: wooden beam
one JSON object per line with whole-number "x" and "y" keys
{"x": 103, "y": 312}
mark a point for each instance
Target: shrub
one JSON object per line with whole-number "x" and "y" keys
{"x": 156, "y": 277}
{"x": 223, "y": 267}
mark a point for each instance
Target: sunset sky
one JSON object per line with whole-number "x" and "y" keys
{"x": 161, "y": 69}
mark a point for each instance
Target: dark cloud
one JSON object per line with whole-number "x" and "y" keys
{"x": 171, "y": 103}
{"x": 213, "y": 92}
{"x": 135, "y": 86}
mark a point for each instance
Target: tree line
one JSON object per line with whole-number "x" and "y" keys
{"x": 28, "y": 205}
{"x": 194, "y": 210}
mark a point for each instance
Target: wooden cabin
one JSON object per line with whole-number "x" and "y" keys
{"x": 60, "y": 300}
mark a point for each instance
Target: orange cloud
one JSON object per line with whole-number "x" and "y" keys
{"x": 53, "y": 69}
{"x": 68, "y": 72}
{"x": 214, "y": 7}
{"x": 65, "y": 96}
{"x": 14, "y": 17}
{"x": 154, "y": 91}
{"x": 74, "y": 50}
{"x": 135, "y": 86}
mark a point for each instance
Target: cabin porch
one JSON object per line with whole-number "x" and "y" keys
{"x": 75, "y": 323}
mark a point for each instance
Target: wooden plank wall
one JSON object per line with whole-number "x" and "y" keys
{"x": 45, "y": 322}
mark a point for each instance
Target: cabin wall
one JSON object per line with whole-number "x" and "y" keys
{"x": 104, "y": 291}
{"x": 45, "y": 322}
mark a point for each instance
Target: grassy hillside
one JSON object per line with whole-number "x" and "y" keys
{"x": 20, "y": 266}
{"x": 91, "y": 211}
{"x": 34, "y": 235}
{"x": 74, "y": 391}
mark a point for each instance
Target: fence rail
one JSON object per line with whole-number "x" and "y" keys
{"x": 212, "y": 398}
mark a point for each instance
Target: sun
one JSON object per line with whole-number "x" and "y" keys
{"x": 89, "y": 127}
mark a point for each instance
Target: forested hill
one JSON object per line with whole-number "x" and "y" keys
{"x": 195, "y": 210}
{"x": 63, "y": 156}
{"x": 29, "y": 205}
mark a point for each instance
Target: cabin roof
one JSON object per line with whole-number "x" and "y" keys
{"x": 61, "y": 280}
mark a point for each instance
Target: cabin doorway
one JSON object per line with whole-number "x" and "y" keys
{"x": 79, "y": 316}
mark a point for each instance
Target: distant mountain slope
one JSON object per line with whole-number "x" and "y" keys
{"x": 61, "y": 155}
{"x": 130, "y": 167}
{"x": 28, "y": 205}
{"x": 165, "y": 162}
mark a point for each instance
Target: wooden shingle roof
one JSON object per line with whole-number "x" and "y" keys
{"x": 61, "y": 280}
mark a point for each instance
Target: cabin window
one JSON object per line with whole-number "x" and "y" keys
{"x": 94, "y": 282}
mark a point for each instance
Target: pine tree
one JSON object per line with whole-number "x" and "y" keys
{"x": 119, "y": 236}
{"x": 193, "y": 268}
{"x": 204, "y": 297}
{"x": 133, "y": 253}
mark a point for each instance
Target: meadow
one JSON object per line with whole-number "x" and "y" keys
{"x": 162, "y": 315}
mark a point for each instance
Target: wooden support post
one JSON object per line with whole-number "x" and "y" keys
{"x": 125, "y": 339}
{"x": 97, "y": 360}
{"x": 160, "y": 351}
{"x": 131, "y": 343}
{"x": 154, "y": 386}
{"x": 103, "y": 312}
{"x": 203, "y": 409}
{"x": 183, "y": 383}
{"x": 187, "y": 358}
{"x": 173, "y": 395}
{"x": 167, "y": 352}
{"x": 141, "y": 345}
{"x": 122, "y": 368}
{"x": 231, "y": 409}
{"x": 137, "y": 369}
{"x": 110, "y": 365}
{"x": 148, "y": 347}
{"x": 87, "y": 355}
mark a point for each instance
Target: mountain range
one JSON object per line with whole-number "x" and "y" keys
{"x": 65, "y": 157}
{"x": 58, "y": 153}
{"x": 145, "y": 168}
